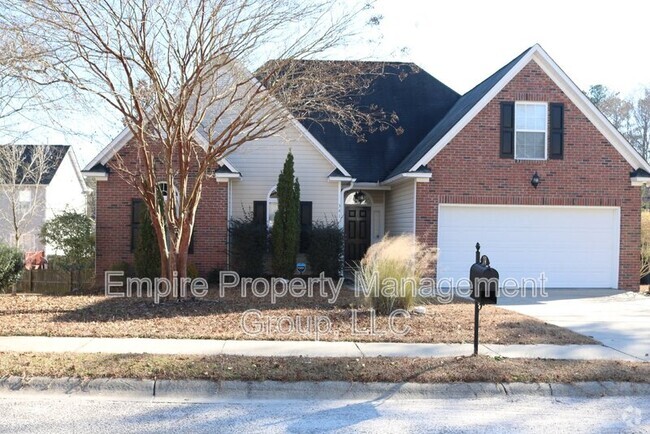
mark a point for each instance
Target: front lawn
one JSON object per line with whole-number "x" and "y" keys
{"x": 288, "y": 319}
{"x": 375, "y": 369}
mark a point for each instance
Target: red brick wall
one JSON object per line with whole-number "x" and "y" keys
{"x": 113, "y": 221}
{"x": 469, "y": 170}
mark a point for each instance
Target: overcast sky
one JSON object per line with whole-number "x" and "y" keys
{"x": 461, "y": 42}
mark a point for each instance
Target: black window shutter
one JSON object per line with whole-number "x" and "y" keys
{"x": 259, "y": 212}
{"x": 556, "y": 142}
{"x": 305, "y": 225}
{"x": 190, "y": 248}
{"x": 507, "y": 130}
{"x": 137, "y": 207}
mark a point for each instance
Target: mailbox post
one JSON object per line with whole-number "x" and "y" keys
{"x": 484, "y": 281}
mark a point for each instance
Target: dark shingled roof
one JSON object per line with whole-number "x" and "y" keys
{"x": 55, "y": 153}
{"x": 98, "y": 168}
{"x": 639, "y": 173}
{"x": 455, "y": 114}
{"x": 418, "y": 99}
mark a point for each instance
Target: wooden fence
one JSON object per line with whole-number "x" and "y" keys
{"x": 55, "y": 282}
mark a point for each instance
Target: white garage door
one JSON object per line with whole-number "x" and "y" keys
{"x": 574, "y": 247}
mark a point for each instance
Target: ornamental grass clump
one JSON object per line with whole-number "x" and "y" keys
{"x": 392, "y": 270}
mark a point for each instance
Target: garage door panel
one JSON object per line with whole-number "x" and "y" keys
{"x": 572, "y": 246}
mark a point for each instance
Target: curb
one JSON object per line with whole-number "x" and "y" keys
{"x": 205, "y": 390}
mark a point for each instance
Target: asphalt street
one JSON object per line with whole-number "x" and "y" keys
{"x": 72, "y": 414}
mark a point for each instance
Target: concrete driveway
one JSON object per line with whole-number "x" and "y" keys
{"x": 618, "y": 319}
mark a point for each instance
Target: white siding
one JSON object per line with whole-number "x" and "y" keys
{"x": 30, "y": 227}
{"x": 261, "y": 161}
{"x": 400, "y": 203}
{"x": 65, "y": 191}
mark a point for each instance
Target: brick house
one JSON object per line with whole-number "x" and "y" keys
{"x": 523, "y": 163}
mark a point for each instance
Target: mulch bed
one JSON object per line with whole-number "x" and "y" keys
{"x": 288, "y": 319}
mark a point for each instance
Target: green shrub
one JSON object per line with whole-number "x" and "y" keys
{"x": 285, "y": 234}
{"x": 73, "y": 234}
{"x": 147, "y": 253}
{"x": 247, "y": 246}
{"x": 325, "y": 254}
{"x": 392, "y": 270}
{"x": 192, "y": 271}
{"x": 11, "y": 266}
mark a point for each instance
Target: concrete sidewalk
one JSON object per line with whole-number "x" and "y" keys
{"x": 300, "y": 348}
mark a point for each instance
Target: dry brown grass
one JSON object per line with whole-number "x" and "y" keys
{"x": 422, "y": 370}
{"x": 98, "y": 316}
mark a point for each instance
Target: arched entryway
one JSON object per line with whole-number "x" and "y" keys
{"x": 363, "y": 222}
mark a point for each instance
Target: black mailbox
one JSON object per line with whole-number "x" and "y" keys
{"x": 484, "y": 280}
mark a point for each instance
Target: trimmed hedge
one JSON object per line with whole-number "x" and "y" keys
{"x": 247, "y": 246}
{"x": 325, "y": 254}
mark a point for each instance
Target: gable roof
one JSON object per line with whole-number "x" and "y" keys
{"x": 476, "y": 99}
{"x": 56, "y": 154}
{"x": 453, "y": 116}
{"x": 419, "y": 101}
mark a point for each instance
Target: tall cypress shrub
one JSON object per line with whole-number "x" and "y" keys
{"x": 285, "y": 235}
{"x": 147, "y": 253}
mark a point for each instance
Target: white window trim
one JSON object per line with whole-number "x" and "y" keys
{"x": 269, "y": 201}
{"x": 532, "y": 131}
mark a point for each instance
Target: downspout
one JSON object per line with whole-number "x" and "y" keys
{"x": 342, "y": 201}
{"x": 229, "y": 217}
{"x": 342, "y": 214}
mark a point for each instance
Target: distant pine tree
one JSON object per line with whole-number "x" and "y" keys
{"x": 285, "y": 234}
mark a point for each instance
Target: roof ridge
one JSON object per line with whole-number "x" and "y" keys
{"x": 457, "y": 111}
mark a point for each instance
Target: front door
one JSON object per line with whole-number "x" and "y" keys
{"x": 357, "y": 232}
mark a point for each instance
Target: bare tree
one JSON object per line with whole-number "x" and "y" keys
{"x": 177, "y": 72}
{"x": 23, "y": 171}
{"x": 641, "y": 131}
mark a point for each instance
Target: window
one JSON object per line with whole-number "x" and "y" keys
{"x": 271, "y": 207}
{"x": 164, "y": 190}
{"x": 305, "y": 225}
{"x": 259, "y": 212}
{"x": 530, "y": 131}
{"x": 25, "y": 196}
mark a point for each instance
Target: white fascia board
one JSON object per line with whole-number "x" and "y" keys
{"x": 592, "y": 113}
{"x": 110, "y": 149}
{"x": 437, "y": 147}
{"x": 96, "y": 175}
{"x": 559, "y": 77}
{"x": 372, "y": 186}
{"x": 340, "y": 178}
{"x": 638, "y": 181}
{"x": 77, "y": 170}
{"x": 418, "y": 176}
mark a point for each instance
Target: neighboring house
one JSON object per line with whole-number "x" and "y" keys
{"x": 462, "y": 172}
{"x": 58, "y": 185}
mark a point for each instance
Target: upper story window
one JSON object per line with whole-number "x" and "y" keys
{"x": 25, "y": 196}
{"x": 271, "y": 207}
{"x": 530, "y": 131}
{"x": 163, "y": 188}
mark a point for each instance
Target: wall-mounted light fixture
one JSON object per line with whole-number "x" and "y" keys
{"x": 535, "y": 180}
{"x": 359, "y": 197}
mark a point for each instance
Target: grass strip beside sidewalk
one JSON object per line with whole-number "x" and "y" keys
{"x": 380, "y": 369}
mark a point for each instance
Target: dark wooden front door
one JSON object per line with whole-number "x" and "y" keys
{"x": 357, "y": 232}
